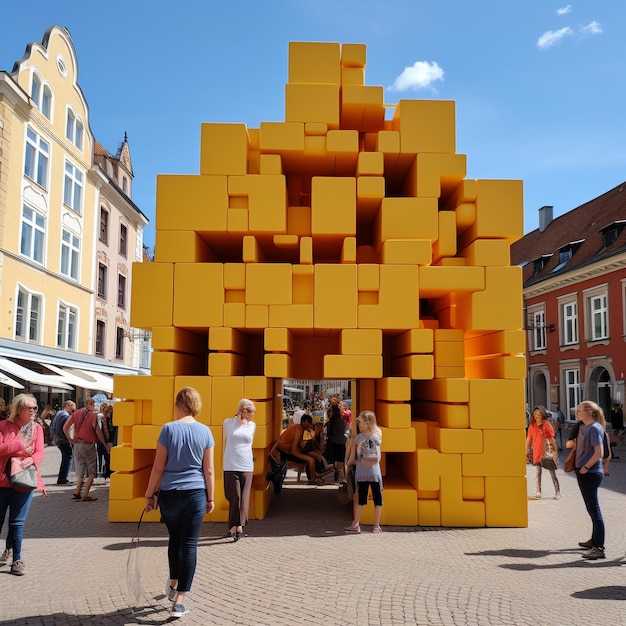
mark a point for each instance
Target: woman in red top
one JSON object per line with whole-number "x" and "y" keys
{"x": 538, "y": 430}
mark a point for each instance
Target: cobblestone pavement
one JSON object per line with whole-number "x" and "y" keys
{"x": 297, "y": 567}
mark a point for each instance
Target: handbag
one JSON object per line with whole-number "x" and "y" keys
{"x": 569, "y": 464}
{"x": 23, "y": 474}
{"x": 548, "y": 457}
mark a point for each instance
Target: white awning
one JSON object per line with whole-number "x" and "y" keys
{"x": 93, "y": 380}
{"x": 9, "y": 382}
{"x": 32, "y": 377}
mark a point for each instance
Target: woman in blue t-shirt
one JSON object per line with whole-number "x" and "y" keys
{"x": 589, "y": 471}
{"x": 182, "y": 483}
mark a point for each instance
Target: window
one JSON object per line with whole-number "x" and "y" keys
{"x": 598, "y": 312}
{"x": 146, "y": 351}
{"x": 570, "y": 323}
{"x": 37, "y": 156}
{"x": 70, "y": 254}
{"x": 100, "y": 337}
{"x": 41, "y": 95}
{"x": 572, "y": 390}
{"x": 67, "y": 327}
{"x": 74, "y": 129}
{"x": 121, "y": 291}
{"x": 119, "y": 343}
{"x": 539, "y": 330}
{"x": 33, "y": 234}
{"x": 73, "y": 188}
{"x": 125, "y": 185}
{"x": 104, "y": 225}
{"x": 102, "y": 280}
{"x": 27, "y": 316}
{"x": 540, "y": 263}
{"x": 611, "y": 233}
{"x": 123, "y": 240}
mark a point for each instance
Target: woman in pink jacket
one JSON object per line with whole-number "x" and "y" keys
{"x": 540, "y": 430}
{"x": 21, "y": 437}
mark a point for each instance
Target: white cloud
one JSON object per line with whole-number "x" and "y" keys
{"x": 550, "y": 37}
{"x": 420, "y": 76}
{"x": 564, "y": 10}
{"x": 593, "y": 28}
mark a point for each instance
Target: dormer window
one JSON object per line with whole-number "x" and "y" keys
{"x": 612, "y": 232}
{"x": 566, "y": 253}
{"x": 540, "y": 263}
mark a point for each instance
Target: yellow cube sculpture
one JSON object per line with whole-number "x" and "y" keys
{"x": 338, "y": 199}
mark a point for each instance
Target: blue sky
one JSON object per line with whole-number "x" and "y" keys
{"x": 538, "y": 84}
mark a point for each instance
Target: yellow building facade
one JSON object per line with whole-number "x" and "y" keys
{"x": 340, "y": 244}
{"x": 51, "y": 190}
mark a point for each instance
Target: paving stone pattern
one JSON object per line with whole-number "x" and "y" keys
{"x": 298, "y": 567}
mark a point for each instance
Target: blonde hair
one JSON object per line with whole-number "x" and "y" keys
{"x": 368, "y": 419}
{"x": 19, "y": 402}
{"x": 595, "y": 410}
{"x": 190, "y": 400}
{"x": 243, "y": 403}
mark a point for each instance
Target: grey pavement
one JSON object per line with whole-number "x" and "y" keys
{"x": 297, "y": 567}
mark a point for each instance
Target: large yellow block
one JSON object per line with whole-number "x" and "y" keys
{"x": 445, "y": 246}
{"x": 278, "y": 340}
{"x": 223, "y": 149}
{"x": 126, "y": 459}
{"x": 294, "y": 315}
{"x": 333, "y": 206}
{"x": 368, "y": 277}
{"x": 488, "y": 252}
{"x": 502, "y": 342}
{"x": 269, "y": 283}
{"x": 188, "y": 202}
{"x": 415, "y": 366}
{"x": 178, "y": 340}
{"x": 326, "y": 312}
{"x": 299, "y": 220}
{"x": 145, "y": 436}
{"x": 226, "y": 364}
{"x": 128, "y": 413}
{"x": 278, "y": 366}
{"x": 159, "y": 390}
{"x": 361, "y": 341}
{"x": 499, "y": 212}
{"x": 314, "y": 62}
{"x": 129, "y": 485}
{"x": 498, "y": 306}
{"x": 267, "y": 201}
{"x": 398, "y": 389}
{"x": 406, "y": 252}
{"x": 362, "y": 108}
{"x": 506, "y": 501}
{"x": 350, "y": 365}
{"x": 456, "y": 440}
{"x": 148, "y": 279}
{"x": 312, "y": 103}
{"x": 398, "y": 439}
{"x": 393, "y": 415}
{"x": 435, "y": 175}
{"x": 370, "y": 164}
{"x": 182, "y": 246}
{"x": 281, "y": 137}
{"x": 437, "y": 281}
{"x": 428, "y": 512}
{"x": 425, "y": 126}
{"x": 177, "y": 364}
{"x": 449, "y": 354}
{"x": 449, "y": 390}
{"x": 415, "y": 341}
{"x": 503, "y": 455}
{"x": 226, "y": 391}
{"x": 508, "y": 395}
{"x": 203, "y": 284}
{"x": 398, "y": 300}
{"x": 496, "y": 367}
{"x": 258, "y": 387}
{"x": 406, "y": 218}
{"x": 399, "y": 504}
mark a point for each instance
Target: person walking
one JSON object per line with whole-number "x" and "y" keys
{"x": 21, "y": 437}
{"x": 617, "y": 421}
{"x": 238, "y": 433}
{"x": 366, "y": 454}
{"x": 540, "y": 430}
{"x": 56, "y": 428}
{"x": 589, "y": 471}
{"x": 87, "y": 433}
{"x": 182, "y": 484}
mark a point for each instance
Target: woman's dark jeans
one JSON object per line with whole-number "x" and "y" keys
{"x": 18, "y": 504}
{"x": 183, "y": 511}
{"x": 588, "y": 484}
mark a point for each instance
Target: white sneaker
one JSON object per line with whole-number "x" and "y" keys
{"x": 6, "y": 555}
{"x": 178, "y": 610}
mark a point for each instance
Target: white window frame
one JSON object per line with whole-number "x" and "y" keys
{"x": 67, "y": 326}
{"x": 100, "y": 340}
{"x": 122, "y": 283}
{"x": 597, "y": 312}
{"x": 104, "y": 292}
{"x": 539, "y": 329}
{"x": 568, "y": 319}
{"x": 41, "y": 95}
{"x": 573, "y": 389}
{"x": 73, "y": 187}
{"x": 36, "y": 158}
{"x": 70, "y": 254}
{"x": 145, "y": 360}
{"x": 119, "y": 343}
{"x": 30, "y": 326}
{"x": 33, "y": 234}
{"x": 74, "y": 129}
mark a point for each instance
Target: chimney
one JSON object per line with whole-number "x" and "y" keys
{"x": 545, "y": 217}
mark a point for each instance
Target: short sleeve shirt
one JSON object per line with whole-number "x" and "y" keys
{"x": 185, "y": 443}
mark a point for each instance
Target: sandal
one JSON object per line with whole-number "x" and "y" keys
{"x": 353, "y": 528}
{"x": 76, "y": 496}
{"x": 89, "y": 499}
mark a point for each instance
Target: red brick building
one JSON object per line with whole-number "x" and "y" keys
{"x": 574, "y": 273}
